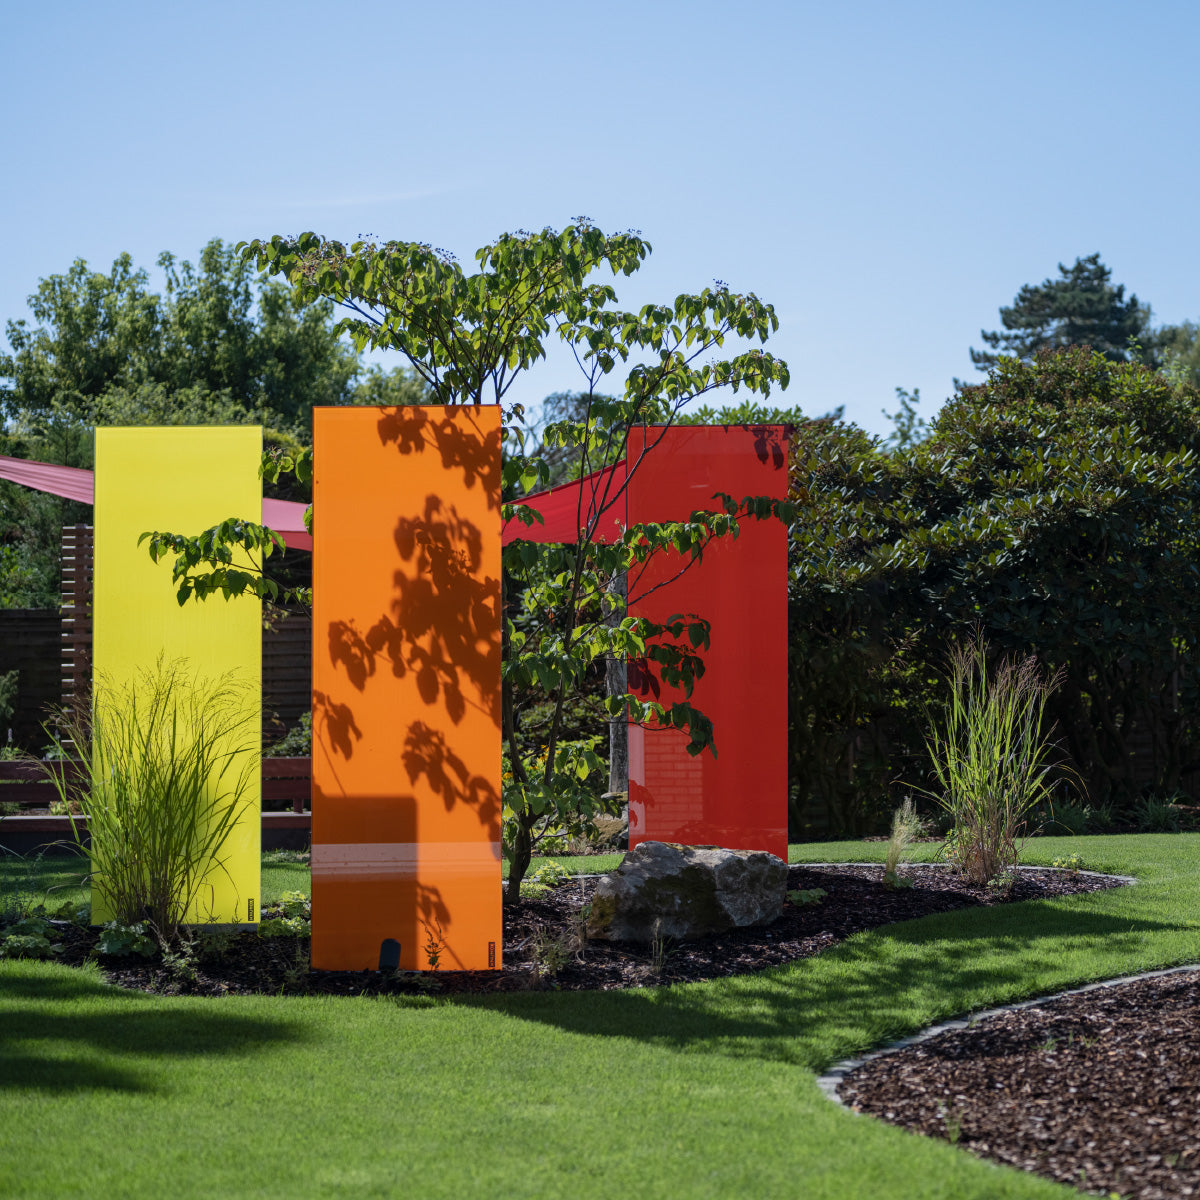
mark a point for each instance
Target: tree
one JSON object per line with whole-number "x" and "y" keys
{"x": 467, "y": 337}
{"x": 1055, "y": 511}
{"x": 217, "y": 346}
{"x": 909, "y": 428}
{"x": 1179, "y": 349}
{"x": 1081, "y": 308}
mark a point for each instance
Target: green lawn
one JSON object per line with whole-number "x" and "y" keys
{"x": 704, "y": 1090}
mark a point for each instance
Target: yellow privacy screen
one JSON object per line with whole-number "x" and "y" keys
{"x": 177, "y": 703}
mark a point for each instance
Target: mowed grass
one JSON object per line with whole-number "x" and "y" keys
{"x": 703, "y": 1090}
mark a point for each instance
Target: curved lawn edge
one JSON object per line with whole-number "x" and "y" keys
{"x": 694, "y": 1091}
{"x": 832, "y": 1079}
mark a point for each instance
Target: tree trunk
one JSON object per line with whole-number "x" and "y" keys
{"x": 616, "y": 678}
{"x": 522, "y": 854}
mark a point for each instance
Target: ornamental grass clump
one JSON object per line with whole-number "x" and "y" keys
{"x": 906, "y": 829}
{"x": 992, "y": 759}
{"x": 173, "y": 756}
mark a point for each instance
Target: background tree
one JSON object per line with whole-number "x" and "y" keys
{"x": 1055, "y": 509}
{"x": 1178, "y": 348}
{"x": 1080, "y": 308}
{"x": 909, "y": 427}
{"x": 466, "y": 337}
{"x": 217, "y": 346}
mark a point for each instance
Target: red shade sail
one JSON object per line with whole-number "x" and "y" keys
{"x": 72, "y": 482}
{"x": 573, "y": 506}
{"x": 285, "y": 517}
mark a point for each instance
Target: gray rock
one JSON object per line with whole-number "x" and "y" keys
{"x": 685, "y": 892}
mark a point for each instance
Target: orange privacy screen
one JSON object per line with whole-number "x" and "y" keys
{"x": 738, "y": 799}
{"x": 406, "y": 687}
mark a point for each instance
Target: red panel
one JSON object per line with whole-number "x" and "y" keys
{"x": 596, "y": 498}
{"x": 739, "y": 798}
{"x": 406, "y": 686}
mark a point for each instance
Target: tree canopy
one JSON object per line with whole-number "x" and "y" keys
{"x": 217, "y": 345}
{"x": 1080, "y": 308}
{"x": 1055, "y": 510}
{"x": 466, "y": 337}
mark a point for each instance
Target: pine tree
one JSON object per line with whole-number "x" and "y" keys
{"x": 1082, "y": 308}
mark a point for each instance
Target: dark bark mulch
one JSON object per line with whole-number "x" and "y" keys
{"x": 1100, "y": 1090}
{"x": 543, "y": 947}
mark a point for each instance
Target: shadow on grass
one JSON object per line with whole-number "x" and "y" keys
{"x": 52, "y": 1039}
{"x": 872, "y": 988}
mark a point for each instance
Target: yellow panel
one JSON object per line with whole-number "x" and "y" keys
{"x": 406, "y": 687}
{"x": 181, "y": 479}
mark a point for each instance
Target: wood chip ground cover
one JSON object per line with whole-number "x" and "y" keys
{"x": 1100, "y": 1089}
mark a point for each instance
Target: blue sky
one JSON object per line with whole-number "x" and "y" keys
{"x": 887, "y": 175}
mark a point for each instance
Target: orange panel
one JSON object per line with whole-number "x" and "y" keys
{"x": 406, "y": 686}
{"x": 739, "y": 798}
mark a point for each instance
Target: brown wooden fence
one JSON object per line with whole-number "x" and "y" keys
{"x": 29, "y": 645}
{"x": 26, "y": 795}
{"x": 52, "y": 653}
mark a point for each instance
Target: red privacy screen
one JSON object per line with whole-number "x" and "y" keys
{"x": 739, "y": 798}
{"x": 406, "y": 687}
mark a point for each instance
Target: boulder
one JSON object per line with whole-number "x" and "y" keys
{"x": 686, "y": 892}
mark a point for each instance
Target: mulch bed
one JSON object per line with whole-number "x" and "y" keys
{"x": 543, "y": 949}
{"x": 1100, "y": 1090}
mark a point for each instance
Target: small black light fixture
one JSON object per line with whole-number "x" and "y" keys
{"x": 389, "y": 955}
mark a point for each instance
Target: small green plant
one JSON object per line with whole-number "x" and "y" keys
{"x": 1002, "y": 883}
{"x": 297, "y": 742}
{"x": 952, "y": 1120}
{"x": 803, "y": 896}
{"x": 29, "y": 938}
{"x": 121, "y": 940}
{"x": 550, "y": 873}
{"x": 991, "y": 758}
{"x": 212, "y": 942}
{"x": 172, "y": 756}
{"x": 180, "y": 957}
{"x": 545, "y": 876}
{"x": 1069, "y": 818}
{"x": 273, "y": 858}
{"x": 554, "y": 951}
{"x": 906, "y": 828}
{"x": 435, "y": 943}
{"x": 661, "y": 948}
{"x": 1069, "y": 862}
{"x": 290, "y": 916}
{"x": 1157, "y": 815}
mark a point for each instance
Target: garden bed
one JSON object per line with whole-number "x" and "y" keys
{"x": 1099, "y": 1089}
{"x": 543, "y": 947}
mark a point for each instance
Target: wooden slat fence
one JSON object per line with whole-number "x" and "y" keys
{"x": 285, "y": 781}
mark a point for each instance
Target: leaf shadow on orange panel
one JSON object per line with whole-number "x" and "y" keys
{"x": 406, "y": 688}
